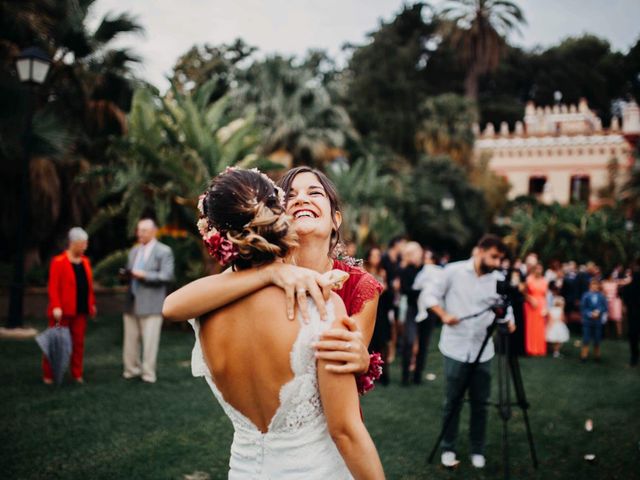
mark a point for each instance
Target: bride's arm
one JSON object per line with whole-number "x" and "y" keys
{"x": 341, "y": 406}
{"x": 215, "y": 291}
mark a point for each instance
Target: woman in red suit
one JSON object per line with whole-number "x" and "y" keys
{"x": 71, "y": 299}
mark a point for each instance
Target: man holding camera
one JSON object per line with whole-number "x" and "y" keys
{"x": 463, "y": 297}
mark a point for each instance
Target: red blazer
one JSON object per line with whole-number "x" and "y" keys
{"x": 62, "y": 286}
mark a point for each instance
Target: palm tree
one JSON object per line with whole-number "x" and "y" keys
{"x": 295, "y": 111}
{"x": 572, "y": 232}
{"x": 446, "y": 128}
{"x": 174, "y": 146}
{"x": 368, "y": 196}
{"x": 478, "y": 29}
{"x": 81, "y": 103}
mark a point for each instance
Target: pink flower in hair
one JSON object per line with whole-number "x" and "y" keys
{"x": 220, "y": 248}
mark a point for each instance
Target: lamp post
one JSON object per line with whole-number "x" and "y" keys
{"x": 32, "y": 66}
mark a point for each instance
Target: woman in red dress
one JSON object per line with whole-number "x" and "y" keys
{"x": 312, "y": 202}
{"x": 535, "y": 312}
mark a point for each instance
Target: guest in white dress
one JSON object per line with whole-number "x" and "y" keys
{"x": 557, "y": 332}
{"x": 292, "y": 417}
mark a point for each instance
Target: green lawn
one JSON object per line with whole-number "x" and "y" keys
{"x": 111, "y": 428}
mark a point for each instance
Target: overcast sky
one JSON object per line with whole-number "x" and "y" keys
{"x": 291, "y": 27}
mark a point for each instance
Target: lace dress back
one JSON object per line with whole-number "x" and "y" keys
{"x": 297, "y": 443}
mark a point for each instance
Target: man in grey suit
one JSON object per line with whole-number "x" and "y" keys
{"x": 150, "y": 265}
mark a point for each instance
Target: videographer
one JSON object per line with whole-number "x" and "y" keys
{"x": 463, "y": 297}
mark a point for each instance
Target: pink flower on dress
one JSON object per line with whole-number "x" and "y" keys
{"x": 365, "y": 380}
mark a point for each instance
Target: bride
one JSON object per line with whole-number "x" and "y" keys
{"x": 312, "y": 202}
{"x": 292, "y": 416}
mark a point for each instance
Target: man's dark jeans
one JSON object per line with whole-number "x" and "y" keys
{"x": 479, "y": 390}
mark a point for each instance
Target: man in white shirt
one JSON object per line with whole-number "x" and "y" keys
{"x": 467, "y": 289}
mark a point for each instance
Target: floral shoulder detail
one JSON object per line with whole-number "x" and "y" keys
{"x": 360, "y": 288}
{"x": 368, "y": 288}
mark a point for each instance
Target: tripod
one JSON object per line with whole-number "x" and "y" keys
{"x": 508, "y": 366}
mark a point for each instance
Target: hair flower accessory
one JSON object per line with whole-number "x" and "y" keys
{"x": 365, "y": 380}
{"x": 218, "y": 245}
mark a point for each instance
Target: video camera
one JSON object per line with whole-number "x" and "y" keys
{"x": 499, "y": 308}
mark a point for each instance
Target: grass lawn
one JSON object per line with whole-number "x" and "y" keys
{"x": 112, "y": 428}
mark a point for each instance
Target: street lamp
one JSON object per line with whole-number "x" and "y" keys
{"x": 32, "y": 66}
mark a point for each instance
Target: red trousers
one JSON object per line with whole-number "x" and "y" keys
{"x": 77, "y": 326}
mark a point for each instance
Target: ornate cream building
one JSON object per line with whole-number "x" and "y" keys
{"x": 561, "y": 153}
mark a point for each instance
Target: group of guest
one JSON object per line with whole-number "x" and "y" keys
{"x": 402, "y": 327}
{"x": 546, "y": 304}
{"x": 148, "y": 272}
{"x": 546, "y": 301}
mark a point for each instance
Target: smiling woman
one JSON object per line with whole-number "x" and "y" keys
{"x": 310, "y": 194}
{"x": 312, "y": 202}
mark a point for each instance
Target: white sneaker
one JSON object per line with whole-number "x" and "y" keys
{"x": 448, "y": 459}
{"x": 478, "y": 461}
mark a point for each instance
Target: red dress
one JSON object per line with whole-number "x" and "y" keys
{"x": 359, "y": 288}
{"x": 535, "y": 338}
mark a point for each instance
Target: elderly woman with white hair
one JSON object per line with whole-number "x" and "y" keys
{"x": 71, "y": 299}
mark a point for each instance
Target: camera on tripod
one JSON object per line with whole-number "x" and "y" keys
{"x": 500, "y": 307}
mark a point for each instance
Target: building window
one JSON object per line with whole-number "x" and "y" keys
{"x": 579, "y": 189}
{"x": 536, "y": 185}
{"x": 590, "y": 151}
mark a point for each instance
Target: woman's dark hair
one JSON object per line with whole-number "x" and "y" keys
{"x": 243, "y": 205}
{"x": 367, "y": 257}
{"x": 330, "y": 189}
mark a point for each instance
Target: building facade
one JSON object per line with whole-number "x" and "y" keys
{"x": 562, "y": 153}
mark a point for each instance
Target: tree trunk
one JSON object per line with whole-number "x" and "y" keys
{"x": 471, "y": 83}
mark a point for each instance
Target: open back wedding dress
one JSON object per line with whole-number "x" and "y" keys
{"x": 297, "y": 444}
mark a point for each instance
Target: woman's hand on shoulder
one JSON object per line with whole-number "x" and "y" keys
{"x": 297, "y": 282}
{"x": 345, "y": 346}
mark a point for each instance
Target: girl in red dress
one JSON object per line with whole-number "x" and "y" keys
{"x": 312, "y": 202}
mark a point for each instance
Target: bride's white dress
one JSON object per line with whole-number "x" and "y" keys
{"x": 297, "y": 444}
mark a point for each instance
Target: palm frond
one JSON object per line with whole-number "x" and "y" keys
{"x": 113, "y": 25}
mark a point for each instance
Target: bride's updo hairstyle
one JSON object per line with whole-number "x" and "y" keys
{"x": 244, "y": 206}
